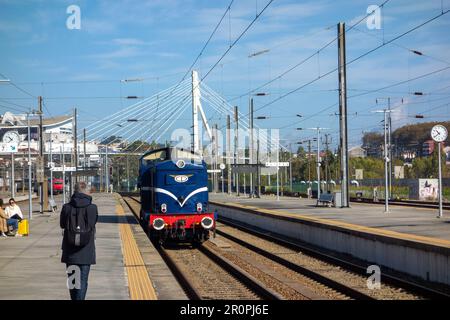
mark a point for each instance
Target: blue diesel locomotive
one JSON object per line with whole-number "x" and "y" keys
{"x": 174, "y": 195}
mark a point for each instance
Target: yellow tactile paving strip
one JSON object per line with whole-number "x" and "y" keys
{"x": 139, "y": 283}
{"x": 329, "y": 222}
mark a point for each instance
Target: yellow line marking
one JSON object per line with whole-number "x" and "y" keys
{"x": 355, "y": 227}
{"x": 139, "y": 283}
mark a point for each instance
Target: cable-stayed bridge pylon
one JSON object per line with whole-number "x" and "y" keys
{"x": 149, "y": 120}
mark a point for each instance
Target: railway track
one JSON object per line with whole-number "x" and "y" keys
{"x": 396, "y": 285}
{"x": 204, "y": 274}
{"x": 266, "y": 267}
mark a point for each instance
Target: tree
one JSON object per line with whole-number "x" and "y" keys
{"x": 410, "y": 138}
{"x": 373, "y": 167}
{"x": 372, "y": 142}
{"x": 139, "y": 146}
{"x": 427, "y": 167}
{"x": 111, "y": 139}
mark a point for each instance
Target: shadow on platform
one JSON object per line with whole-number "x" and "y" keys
{"x": 115, "y": 219}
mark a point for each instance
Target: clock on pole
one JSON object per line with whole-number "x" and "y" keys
{"x": 11, "y": 136}
{"x": 439, "y": 134}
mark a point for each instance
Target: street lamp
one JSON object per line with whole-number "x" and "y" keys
{"x": 318, "y": 129}
{"x": 257, "y": 161}
{"x": 386, "y": 159}
{"x": 389, "y": 133}
{"x": 259, "y": 94}
{"x": 250, "y": 56}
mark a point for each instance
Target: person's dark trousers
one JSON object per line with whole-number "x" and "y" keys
{"x": 79, "y": 294}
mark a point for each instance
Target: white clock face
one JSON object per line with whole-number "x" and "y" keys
{"x": 439, "y": 133}
{"x": 11, "y": 137}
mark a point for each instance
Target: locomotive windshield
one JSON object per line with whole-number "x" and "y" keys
{"x": 157, "y": 156}
{"x": 186, "y": 155}
{"x": 173, "y": 154}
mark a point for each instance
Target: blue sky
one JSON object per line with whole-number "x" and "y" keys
{"x": 158, "y": 40}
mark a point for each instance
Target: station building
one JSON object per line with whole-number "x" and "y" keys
{"x": 58, "y": 133}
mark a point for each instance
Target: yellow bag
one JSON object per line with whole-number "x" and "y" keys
{"x": 23, "y": 227}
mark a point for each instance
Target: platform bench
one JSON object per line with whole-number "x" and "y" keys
{"x": 325, "y": 199}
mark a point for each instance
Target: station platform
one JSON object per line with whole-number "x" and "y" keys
{"x": 412, "y": 241}
{"x": 31, "y": 268}
{"x": 407, "y": 220}
{"x": 18, "y": 197}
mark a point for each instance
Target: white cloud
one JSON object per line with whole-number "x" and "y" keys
{"x": 87, "y": 77}
{"x": 129, "y": 41}
{"x": 97, "y": 26}
{"x": 14, "y": 26}
{"x": 296, "y": 10}
{"x": 122, "y": 52}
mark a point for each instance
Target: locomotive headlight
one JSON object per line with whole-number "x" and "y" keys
{"x": 199, "y": 207}
{"x": 164, "y": 208}
{"x": 207, "y": 223}
{"x": 158, "y": 224}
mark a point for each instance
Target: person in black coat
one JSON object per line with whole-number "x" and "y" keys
{"x": 78, "y": 259}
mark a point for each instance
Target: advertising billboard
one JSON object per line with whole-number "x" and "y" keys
{"x": 428, "y": 189}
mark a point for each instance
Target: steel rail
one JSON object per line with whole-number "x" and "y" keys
{"x": 335, "y": 285}
{"x": 351, "y": 266}
{"x": 240, "y": 275}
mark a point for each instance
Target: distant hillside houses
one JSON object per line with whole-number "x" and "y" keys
{"x": 357, "y": 152}
{"x": 408, "y": 142}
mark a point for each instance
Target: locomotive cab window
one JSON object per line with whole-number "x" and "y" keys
{"x": 154, "y": 157}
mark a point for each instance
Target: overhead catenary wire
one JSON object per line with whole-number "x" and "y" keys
{"x": 317, "y": 52}
{"x": 211, "y": 98}
{"x": 23, "y": 108}
{"x": 133, "y": 79}
{"x": 366, "y": 93}
{"x": 416, "y": 52}
{"x": 223, "y": 106}
{"x": 204, "y": 46}
{"x": 18, "y": 88}
{"x": 237, "y": 39}
{"x": 228, "y": 50}
{"x": 356, "y": 59}
{"x": 11, "y": 108}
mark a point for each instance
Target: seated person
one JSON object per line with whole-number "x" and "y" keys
{"x": 14, "y": 223}
{"x": 13, "y": 210}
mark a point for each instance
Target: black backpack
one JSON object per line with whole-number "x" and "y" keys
{"x": 78, "y": 233}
